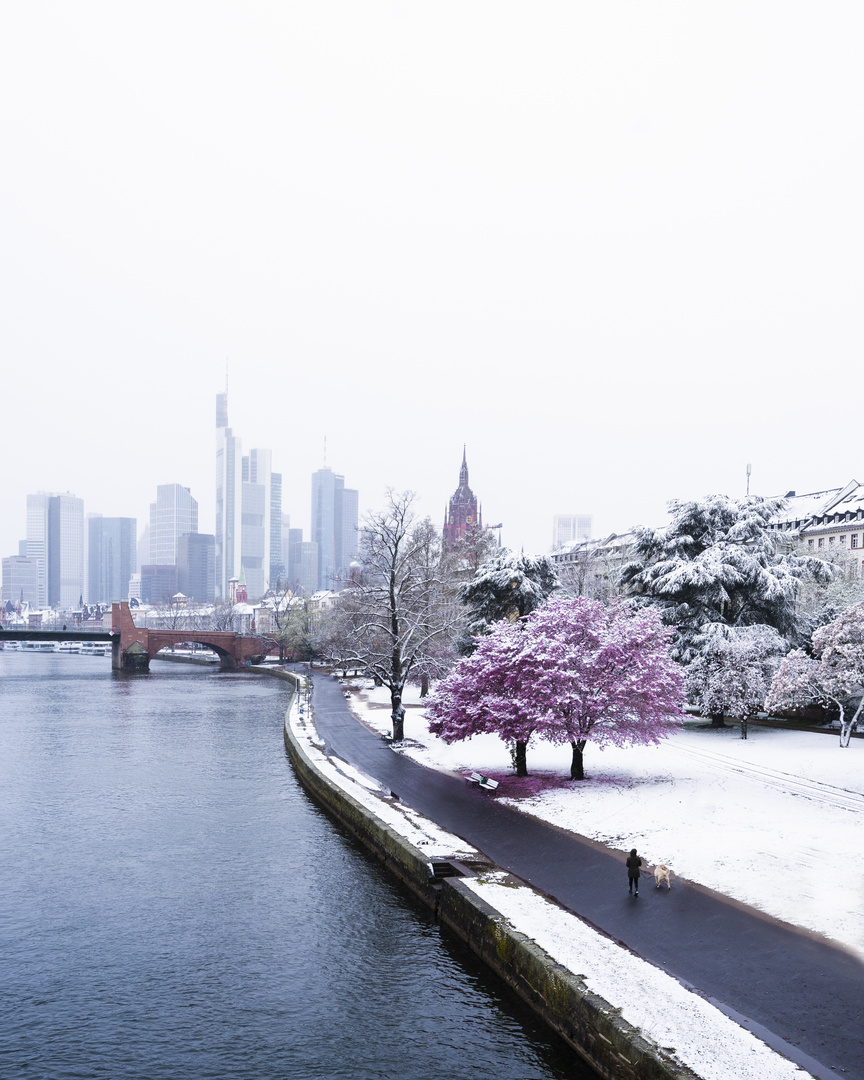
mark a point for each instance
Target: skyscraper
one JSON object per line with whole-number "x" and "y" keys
{"x": 195, "y": 567}
{"x": 248, "y": 512}
{"x": 461, "y": 515}
{"x": 334, "y": 526}
{"x": 569, "y": 527}
{"x": 55, "y": 539}
{"x": 174, "y": 514}
{"x": 111, "y": 557}
{"x": 229, "y": 480}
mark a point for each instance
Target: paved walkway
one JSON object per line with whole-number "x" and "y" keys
{"x": 784, "y": 984}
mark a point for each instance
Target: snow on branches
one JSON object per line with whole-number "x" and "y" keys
{"x": 572, "y": 671}
{"x": 718, "y": 562}
{"x": 833, "y": 675}
{"x": 732, "y": 674}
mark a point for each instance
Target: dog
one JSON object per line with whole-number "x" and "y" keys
{"x": 662, "y": 873}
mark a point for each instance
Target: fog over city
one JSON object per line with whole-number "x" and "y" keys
{"x": 613, "y": 249}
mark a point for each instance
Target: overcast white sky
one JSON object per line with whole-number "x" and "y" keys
{"x": 616, "y": 248}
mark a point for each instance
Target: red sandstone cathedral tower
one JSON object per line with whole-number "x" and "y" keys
{"x": 461, "y": 517}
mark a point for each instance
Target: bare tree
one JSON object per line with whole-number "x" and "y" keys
{"x": 396, "y": 608}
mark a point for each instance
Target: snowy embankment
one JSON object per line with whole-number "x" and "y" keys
{"x": 773, "y": 821}
{"x": 694, "y": 1032}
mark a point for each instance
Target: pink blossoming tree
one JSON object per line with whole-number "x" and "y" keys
{"x": 574, "y": 670}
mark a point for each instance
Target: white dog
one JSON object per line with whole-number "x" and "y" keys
{"x": 662, "y": 873}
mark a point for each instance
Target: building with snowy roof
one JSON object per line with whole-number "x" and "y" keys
{"x": 829, "y": 524}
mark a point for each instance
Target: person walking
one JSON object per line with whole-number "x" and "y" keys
{"x": 633, "y": 864}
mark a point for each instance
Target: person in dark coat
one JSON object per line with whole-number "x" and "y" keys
{"x": 633, "y": 864}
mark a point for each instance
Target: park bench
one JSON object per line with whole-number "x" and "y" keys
{"x": 483, "y": 782}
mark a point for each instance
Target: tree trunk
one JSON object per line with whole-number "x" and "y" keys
{"x": 397, "y": 714}
{"x": 577, "y": 772}
{"x": 717, "y": 719}
{"x": 848, "y": 726}
{"x": 743, "y": 727}
{"x": 424, "y": 685}
{"x": 520, "y": 758}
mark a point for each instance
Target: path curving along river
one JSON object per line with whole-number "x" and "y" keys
{"x": 173, "y": 905}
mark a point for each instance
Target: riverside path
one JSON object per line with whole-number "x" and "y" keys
{"x": 797, "y": 992}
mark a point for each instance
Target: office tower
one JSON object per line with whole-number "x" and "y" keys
{"x": 567, "y": 528}
{"x": 174, "y": 514}
{"x": 277, "y": 563}
{"x": 229, "y": 480}
{"x": 20, "y": 580}
{"x": 304, "y": 566}
{"x": 248, "y": 512}
{"x": 111, "y": 558}
{"x": 461, "y": 516}
{"x": 158, "y": 583}
{"x": 334, "y": 527}
{"x": 55, "y": 539}
{"x": 65, "y": 552}
{"x": 196, "y": 567}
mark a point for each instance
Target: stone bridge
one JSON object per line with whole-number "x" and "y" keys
{"x": 136, "y": 646}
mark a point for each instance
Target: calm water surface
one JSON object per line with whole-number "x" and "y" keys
{"x": 172, "y": 904}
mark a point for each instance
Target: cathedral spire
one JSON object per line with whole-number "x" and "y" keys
{"x": 463, "y": 472}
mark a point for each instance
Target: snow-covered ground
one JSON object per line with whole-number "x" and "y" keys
{"x": 774, "y": 821}
{"x": 690, "y": 1029}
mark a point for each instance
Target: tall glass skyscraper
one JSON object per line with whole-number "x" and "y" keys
{"x": 248, "y": 512}
{"x": 174, "y": 514}
{"x": 335, "y": 511}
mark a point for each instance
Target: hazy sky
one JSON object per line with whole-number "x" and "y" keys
{"x": 616, "y": 248}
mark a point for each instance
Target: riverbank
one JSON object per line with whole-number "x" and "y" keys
{"x": 568, "y": 972}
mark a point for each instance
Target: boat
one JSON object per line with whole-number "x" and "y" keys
{"x": 39, "y": 646}
{"x": 95, "y": 648}
{"x": 69, "y": 646}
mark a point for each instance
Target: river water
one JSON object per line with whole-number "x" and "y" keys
{"x": 174, "y": 906}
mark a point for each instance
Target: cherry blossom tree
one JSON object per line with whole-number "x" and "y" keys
{"x": 833, "y": 675}
{"x": 576, "y": 670}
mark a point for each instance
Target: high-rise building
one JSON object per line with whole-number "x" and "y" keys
{"x": 55, "y": 539}
{"x": 248, "y": 512}
{"x": 334, "y": 527}
{"x": 111, "y": 557}
{"x": 461, "y": 515}
{"x": 20, "y": 580}
{"x": 195, "y": 567}
{"x": 174, "y": 514}
{"x": 569, "y": 527}
{"x": 229, "y": 480}
{"x": 37, "y": 543}
{"x": 158, "y": 583}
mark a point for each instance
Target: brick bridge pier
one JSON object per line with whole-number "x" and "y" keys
{"x": 136, "y": 646}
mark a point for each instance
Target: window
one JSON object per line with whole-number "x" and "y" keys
{"x": 821, "y": 543}
{"x": 830, "y": 541}
{"x": 854, "y": 540}
{"x": 842, "y": 540}
{"x": 810, "y": 543}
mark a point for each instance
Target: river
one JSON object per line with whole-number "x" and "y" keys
{"x": 174, "y": 906}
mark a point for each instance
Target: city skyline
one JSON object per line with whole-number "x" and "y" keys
{"x": 608, "y": 248}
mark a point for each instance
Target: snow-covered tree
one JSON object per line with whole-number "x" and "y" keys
{"x": 509, "y": 586}
{"x": 718, "y": 562}
{"x": 577, "y": 670}
{"x": 395, "y": 607}
{"x": 733, "y": 673}
{"x": 834, "y": 675}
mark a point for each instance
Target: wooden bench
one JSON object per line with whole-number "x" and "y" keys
{"x": 473, "y": 777}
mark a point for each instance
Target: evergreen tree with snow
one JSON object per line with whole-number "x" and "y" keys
{"x": 509, "y": 586}
{"x": 718, "y": 563}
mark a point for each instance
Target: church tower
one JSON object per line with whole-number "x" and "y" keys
{"x": 461, "y": 516}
